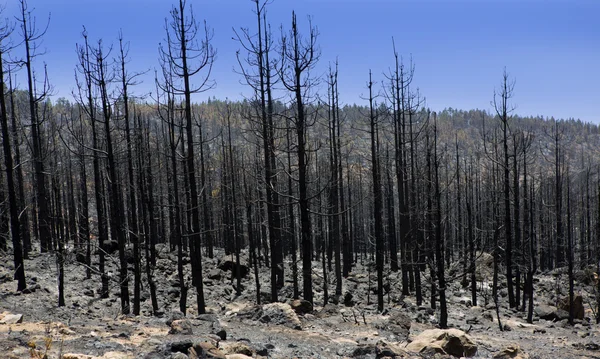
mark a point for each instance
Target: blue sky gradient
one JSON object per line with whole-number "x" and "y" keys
{"x": 459, "y": 48}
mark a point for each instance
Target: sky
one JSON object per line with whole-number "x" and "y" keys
{"x": 551, "y": 48}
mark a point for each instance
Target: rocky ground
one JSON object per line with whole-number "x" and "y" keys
{"x": 32, "y": 326}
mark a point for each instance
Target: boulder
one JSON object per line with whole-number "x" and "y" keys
{"x": 214, "y": 274}
{"x": 399, "y": 323}
{"x": 175, "y": 315}
{"x": 379, "y": 350}
{"x": 238, "y": 348}
{"x": 111, "y": 247}
{"x": 511, "y": 352}
{"x": 578, "y": 308}
{"x": 348, "y": 299}
{"x": 551, "y": 313}
{"x": 181, "y": 326}
{"x": 80, "y": 257}
{"x": 444, "y": 341}
{"x": 301, "y": 306}
{"x": 280, "y": 314}
{"x": 205, "y": 350}
{"x": 181, "y": 346}
{"x": 8, "y": 318}
{"x": 230, "y": 265}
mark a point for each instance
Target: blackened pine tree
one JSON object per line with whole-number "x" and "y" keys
{"x": 190, "y": 54}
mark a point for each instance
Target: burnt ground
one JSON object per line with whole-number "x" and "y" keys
{"x": 94, "y": 328}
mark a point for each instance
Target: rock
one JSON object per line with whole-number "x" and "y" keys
{"x": 239, "y": 348}
{"x": 444, "y": 341}
{"x": 397, "y": 323}
{"x": 238, "y": 356}
{"x": 208, "y": 317}
{"x": 280, "y": 314}
{"x": 175, "y": 315}
{"x": 181, "y": 326}
{"x": 111, "y": 247}
{"x": 473, "y": 320}
{"x": 205, "y": 350}
{"x": 329, "y": 310}
{"x": 592, "y": 346}
{"x": 179, "y": 356}
{"x": 214, "y": 274}
{"x": 301, "y": 306}
{"x": 76, "y": 356}
{"x": 551, "y": 313}
{"x": 115, "y": 355}
{"x": 219, "y": 331}
{"x": 348, "y": 299}
{"x": 154, "y": 355}
{"x": 80, "y": 257}
{"x": 229, "y": 265}
{"x": 383, "y": 350}
{"x": 88, "y": 293}
{"x": 578, "y": 308}
{"x": 379, "y": 350}
{"x": 12, "y": 319}
{"x": 181, "y": 346}
{"x": 511, "y": 352}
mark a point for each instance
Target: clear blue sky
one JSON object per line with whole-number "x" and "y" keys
{"x": 550, "y": 47}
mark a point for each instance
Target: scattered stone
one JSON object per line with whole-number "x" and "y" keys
{"x": 301, "y": 306}
{"x": 181, "y": 326}
{"x": 511, "y": 352}
{"x": 444, "y": 341}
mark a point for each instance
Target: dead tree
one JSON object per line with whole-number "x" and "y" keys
{"x": 189, "y": 53}
{"x": 298, "y": 57}
{"x": 5, "y": 31}
{"x": 31, "y": 35}
{"x": 257, "y": 69}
